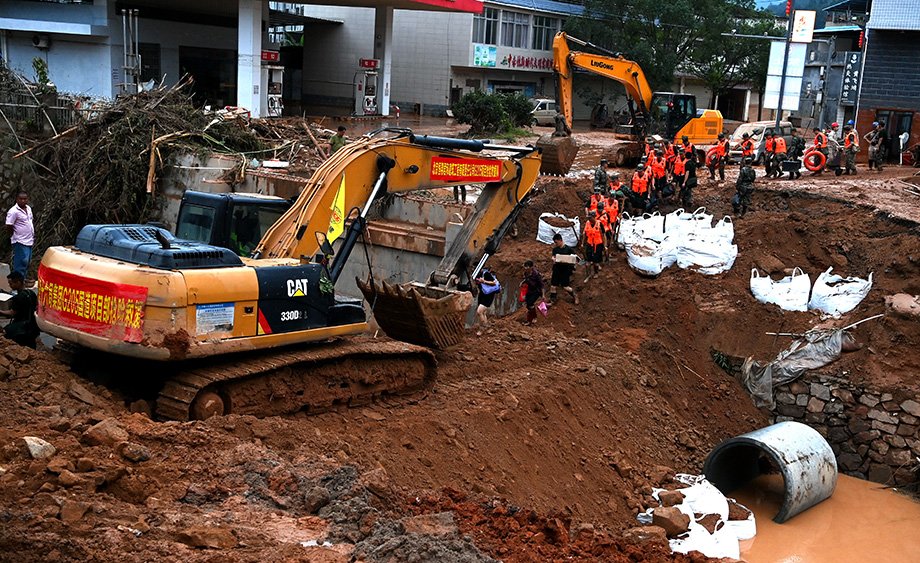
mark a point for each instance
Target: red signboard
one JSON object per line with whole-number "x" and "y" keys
{"x": 271, "y": 56}
{"x": 368, "y": 63}
{"x": 112, "y": 310}
{"x": 471, "y": 6}
{"x": 465, "y": 169}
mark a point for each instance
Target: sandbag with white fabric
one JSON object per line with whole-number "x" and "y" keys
{"x": 629, "y": 230}
{"x": 649, "y": 257}
{"x": 706, "y": 255}
{"x": 685, "y": 224}
{"x": 545, "y": 231}
{"x": 789, "y": 293}
{"x": 836, "y": 295}
{"x": 652, "y": 226}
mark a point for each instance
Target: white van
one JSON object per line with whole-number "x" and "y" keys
{"x": 544, "y": 111}
{"x": 756, "y": 130}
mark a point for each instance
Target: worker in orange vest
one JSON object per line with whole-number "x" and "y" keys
{"x": 850, "y": 147}
{"x": 615, "y": 188}
{"x": 820, "y": 143}
{"x": 612, "y": 218}
{"x": 769, "y": 145}
{"x": 690, "y": 181}
{"x": 679, "y": 170}
{"x": 747, "y": 147}
{"x": 686, "y": 147}
{"x": 639, "y": 189}
{"x": 591, "y": 204}
{"x": 720, "y": 156}
{"x": 606, "y": 227}
{"x": 779, "y": 154}
{"x": 658, "y": 164}
{"x": 594, "y": 244}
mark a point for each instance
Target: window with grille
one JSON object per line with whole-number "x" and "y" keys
{"x": 515, "y": 29}
{"x": 544, "y": 29}
{"x": 485, "y": 26}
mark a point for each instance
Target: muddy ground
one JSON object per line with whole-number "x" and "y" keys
{"x": 535, "y": 443}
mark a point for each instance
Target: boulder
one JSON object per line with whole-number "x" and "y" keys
{"x": 133, "y": 452}
{"x": 646, "y": 534}
{"x": 208, "y": 537}
{"x": 670, "y": 498}
{"x": 107, "y": 432}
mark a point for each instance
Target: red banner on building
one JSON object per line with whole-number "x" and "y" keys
{"x": 465, "y": 169}
{"x": 471, "y": 6}
{"x": 271, "y": 56}
{"x": 111, "y": 310}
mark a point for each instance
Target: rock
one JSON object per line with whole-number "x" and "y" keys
{"x": 802, "y": 400}
{"x": 601, "y": 371}
{"x": 208, "y": 537}
{"x": 712, "y": 522}
{"x": 820, "y": 391}
{"x": 886, "y": 428}
{"x": 737, "y": 511}
{"x": 316, "y": 498}
{"x": 107, "y": 432}
{"x": 38, "y": 448}
{"x": 583, "y": 531}
{"x": 815, "y": 405}
{"x": 833, "y": 407}
{"x": 671, "y": 519}
{"x": 132, "y": 452}
{"x": 903, "y": 304}
{"x": 646, "y": 534}
{"x": 843, "y": 395}
{"x": 81, "y": 393}
{"x": 661, "y": 474}
{"x": 906, "y": 430}
{"x": 58, "y": 464}
{"x": 911, "y": 407}
{"x": 440, "y": 524}
{"x": 556, "y": 531}
{"x": 378, "y": 482}
{"x": 19, "y": 354}
{"x": 868, "y": 400}
{"x": 68, "y": 479}
{"x": 85, "y": 464}
{"x": 785, "y": 398}
{"x": 879, "y": 473}
{"x": 141, "y": 406}
{"x": 73, "y": 511}
{"x": 770, "y": 264}
{"x": 849, "y": 462}
{"x": 882, "y": 416}
{"x": 898, "y": 457}
{"x": 670, "y": 498}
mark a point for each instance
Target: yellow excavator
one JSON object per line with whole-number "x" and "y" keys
{"x": 223, "y": 333}
{"x": 668, "y": 114}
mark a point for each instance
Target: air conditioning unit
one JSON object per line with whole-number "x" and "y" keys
{"x": 41, "y": 41}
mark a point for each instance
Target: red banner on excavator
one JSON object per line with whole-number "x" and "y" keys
{"x": 465, "y": 169}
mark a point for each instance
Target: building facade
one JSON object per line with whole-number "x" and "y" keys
{"x": 890, "y": 87}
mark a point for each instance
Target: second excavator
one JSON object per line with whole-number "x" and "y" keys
{"x": 219, "y": 333}
{"x": 667, "y": 114}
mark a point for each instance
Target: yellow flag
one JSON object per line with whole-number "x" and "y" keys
{"x": 337, "y": 220}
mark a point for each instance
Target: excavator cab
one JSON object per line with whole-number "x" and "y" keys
{"x": 671, "y": 112}
{"x": 235, "y": 221}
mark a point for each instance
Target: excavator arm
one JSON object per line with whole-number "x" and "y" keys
{"x": 613, "y": 66}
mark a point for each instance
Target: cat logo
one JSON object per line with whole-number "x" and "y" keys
{"x": 297, "y": 288}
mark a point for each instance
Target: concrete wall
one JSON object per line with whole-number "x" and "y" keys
{"x": 874, "y": 434}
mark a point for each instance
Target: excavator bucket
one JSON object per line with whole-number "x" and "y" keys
{"x": 558, "y": 154}
{"x": 419, "y": 314}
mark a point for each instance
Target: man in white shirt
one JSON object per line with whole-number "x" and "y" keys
{"x": 22, "y": 233}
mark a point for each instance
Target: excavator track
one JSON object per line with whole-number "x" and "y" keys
{"x": 314, "y": 379}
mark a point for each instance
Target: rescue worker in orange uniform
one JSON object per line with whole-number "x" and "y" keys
{"x": 606, "y": 227}
{"x": 594, "y": 244}
{"x": 679, "y": 170}
{"x": 686, "y": 147}
{"x": 615, "y": 188}
{"x": 747, "y": 147}
{"x": 639, "y": 189}
{"x": 769, "y": 147}
{"x": 658, "y": 165}
{"x": 720, "y": 156}
{"x": 820, "y": 143}
{"x": 779, "y": 154}
{"x": 591, "y": 204}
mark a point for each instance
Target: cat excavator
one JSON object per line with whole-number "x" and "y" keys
{"x": 667, "y": 114}
{"x": 266, "y": 334}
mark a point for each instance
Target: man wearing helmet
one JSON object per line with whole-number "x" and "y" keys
{"x": 744, "y": 187}
{"x": 600, "y": 176}
{"x": 878, "y": 145}
{"x": 639, "y": 189}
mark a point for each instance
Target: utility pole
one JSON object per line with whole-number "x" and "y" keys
{"x": 782, "y": 79}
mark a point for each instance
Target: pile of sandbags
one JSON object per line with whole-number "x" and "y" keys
{"x": 654, "y": 242}
{"x": 557, "y": 223}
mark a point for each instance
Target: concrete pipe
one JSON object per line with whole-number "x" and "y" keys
{"x": 803, "y": 456}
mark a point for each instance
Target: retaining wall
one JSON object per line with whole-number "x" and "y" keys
{"x": 873, "y": 434}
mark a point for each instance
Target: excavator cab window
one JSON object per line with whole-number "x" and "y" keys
{"x": 234, "y": 221}
{"x": 196, "y": 222}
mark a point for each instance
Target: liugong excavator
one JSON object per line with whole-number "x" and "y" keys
{"x": 231, "y": 334}
{"x": 667, "y": 114}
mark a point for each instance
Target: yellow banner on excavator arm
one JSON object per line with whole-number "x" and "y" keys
{"x": 337, "y": 221}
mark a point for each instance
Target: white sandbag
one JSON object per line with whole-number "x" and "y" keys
{"x": 835, "y": 295}
{"x": 652, "y": 226}
{"x": 681, "y": 223}
{"x": 545, "y": 231}
{"x": 649, "y": 257}
{"x": 630, "y": 230}
{"x": 724, "y": 228}
{"x": 706, "y": 255}
{"x": 789, "y": 293}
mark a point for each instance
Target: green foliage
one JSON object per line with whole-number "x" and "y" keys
{"x": 680, "y": 35}
{"x": 519, "y": 109}
{"x": 42, "y": 78}
{"x": 492, "y": 113}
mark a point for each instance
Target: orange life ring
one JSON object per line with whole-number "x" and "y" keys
{"x": 814, "y": 160}
{"x": 711, "y": 157}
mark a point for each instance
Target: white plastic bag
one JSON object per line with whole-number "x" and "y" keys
{"x": 651, "y": 226}
{"x": 725, "y": 229}
{"x": 649, "y": 257}
{"x": 545, "y": 231}
{"x": 789, "y": 293}
{"x": 835, "y": 295}
{"x": 629, "y": 232}
{"x": 707, "y": 255}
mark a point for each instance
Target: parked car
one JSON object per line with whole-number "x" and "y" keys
{"x": 544, "y": 111}
{"x": 757, "y": 130}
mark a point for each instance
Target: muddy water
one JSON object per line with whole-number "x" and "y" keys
{"x": 860, "y": 522}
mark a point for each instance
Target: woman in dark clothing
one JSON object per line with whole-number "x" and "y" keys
{"x": 534, "y": 282}
{"x": 487, "y": 283}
